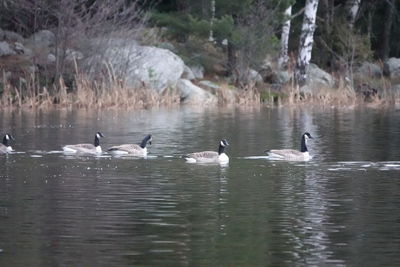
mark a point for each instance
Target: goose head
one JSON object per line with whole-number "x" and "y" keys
{"x": 224, "y": 143}
{"x": 7, "y": 137}
{"x": 304, "y": 139}
{"x": 146, "y": 140}
{"x": 97, "y": 138}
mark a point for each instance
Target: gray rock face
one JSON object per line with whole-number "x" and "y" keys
{"x": 6, "y": 50}
{"x": 139, "y": 66}
{"x": 11, "y": 36}
{"x": 43, "y": 38}
{"x": 209, "y": 85}
{"x": 368, "y": 69}
{"x": 198, "y": 71}
{"x": 317, "y": 78}
{"x": 254, "y": 76}
{"x": 194, "y": 95}
{"x": 188, "y": 73}
{"x": 281, "y": 77}
{"x": 391, "y": 68}
{"x": 21, "y": 49}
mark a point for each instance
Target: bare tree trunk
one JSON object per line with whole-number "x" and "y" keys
{"x": 352, "y": 10}
{"x": 384, "y": 47}
{"x": 306, "y": 41}
{"x": 328, "y": 14}
{"x": 283, "y": 56}
{"x": 211, "y": 36}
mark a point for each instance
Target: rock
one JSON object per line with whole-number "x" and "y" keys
{"x": 316, "y": 79}
{"x": 254, "y": 76}
{"x": 12, "y": 37}
{"x": 139, "y": 66}
{"x": 5, "y": 49}
{"x": 213, "y": 87}
{"x": 281, "y": 77}
{"x": 198, "y": 71}
{"x": 368, "y": 69}
{"x": 319, "y": 77}
{"x": 43, "y": 38}
{"x": 391, "y": 68}
{"x": 51, "y": 58}
{"x": 194, "y": 95}
{"x": 188, "y": 73}
{"x": 21, "y": 49}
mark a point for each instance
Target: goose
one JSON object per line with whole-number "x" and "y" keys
{"x": 5, "y": 146}
{"x": 132, "y": 149}
{"x": 209, "y": 156}
{"x": 85, "y": 148}
{"x": 291, "y": 154}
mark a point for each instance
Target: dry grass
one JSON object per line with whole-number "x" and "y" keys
{"x": 343, "y": 96}
{"x": 110, "y": 93}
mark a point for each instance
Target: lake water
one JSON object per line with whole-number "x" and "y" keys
{"x": 340, "y": 208}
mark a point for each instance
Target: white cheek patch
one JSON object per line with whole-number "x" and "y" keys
{"x": 98, "y": 136}
{"x": 7, "y": 137}
{"x": 222, "y": 143}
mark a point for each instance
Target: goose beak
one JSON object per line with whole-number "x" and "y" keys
{"x": 149, "y": 142}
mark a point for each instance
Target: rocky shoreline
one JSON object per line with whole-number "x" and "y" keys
{"x": 125, "y": 65}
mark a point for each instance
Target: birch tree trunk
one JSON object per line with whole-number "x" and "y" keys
{"x": 211, "y": 36}
{"x": 283, "y": 56}
{"x": 306, "y": 41}
{"x": 353, "y": 7}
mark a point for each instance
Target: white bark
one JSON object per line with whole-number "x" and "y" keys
{"x": 353, "y": 7}
{"x": 283, "y": 56}
{"x": 211, "y": 37}
{"x": 306, "y": 41}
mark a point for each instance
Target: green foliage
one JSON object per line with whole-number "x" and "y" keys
{"x": 224, "y": 28}
{"x": 175, "y": 23}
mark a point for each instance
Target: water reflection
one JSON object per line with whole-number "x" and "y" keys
{"x": 340, "y": 208}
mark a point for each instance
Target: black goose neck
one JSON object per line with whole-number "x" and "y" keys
{"x": 303, "y": 144}
{"x": 96, "y": 141}
{"x": 5, "y": 141}
{"x": 144, "y": 141}
{"x": 221, "y": 149}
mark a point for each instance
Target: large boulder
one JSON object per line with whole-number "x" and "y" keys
{"x": 188, "y": 73}
{"x": 194, "y": 95}
{"x": 210, "y": 86}
{"x": 142, "y": 66}
{"x": 281, "y": 77}
{"x": 42, "y": 39}
{"x": 6, "y": 50}
{"x": 368, "y": 69}
{"x": 198, "y": 71}
{"x": 391, "y": 68}
{"x": 10, "y": 36}
{"x": 317, "y": 76}
{"x": 317, "y": 79}
{"x": 254, "y": 76}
